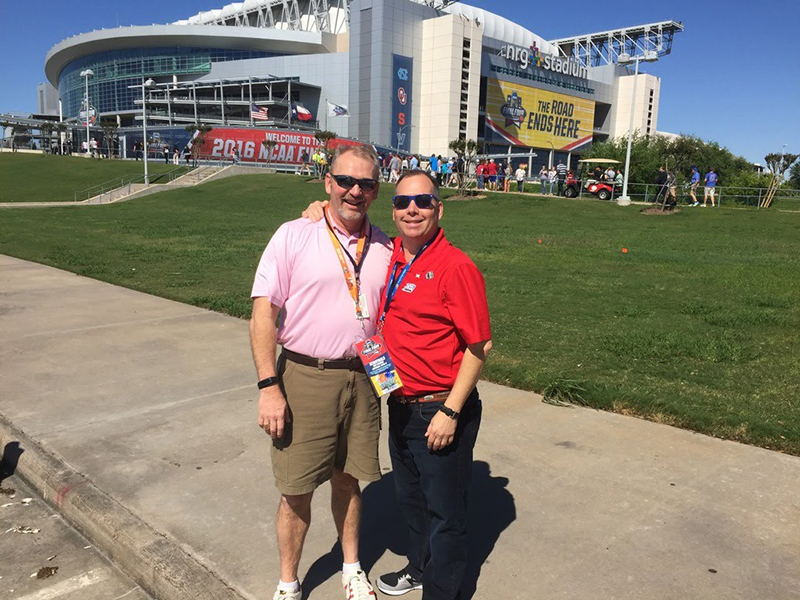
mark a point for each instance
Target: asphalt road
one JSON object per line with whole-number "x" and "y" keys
{"x": 54, "y": 561}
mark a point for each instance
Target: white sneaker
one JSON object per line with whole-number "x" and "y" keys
{"x": 284, "y": 595}
{"x": 357, "y": 587}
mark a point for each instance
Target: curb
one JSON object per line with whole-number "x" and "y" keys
{"x": 154, "y": 561}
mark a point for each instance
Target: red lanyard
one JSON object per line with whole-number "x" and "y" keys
{"x": 353, "y": 280}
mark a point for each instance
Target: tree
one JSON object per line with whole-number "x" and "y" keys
{"x": 268, "y": 146}
{"x": 61, "y": 127}
{"x": 324, "y": 138}
{"x": 465, "y": 153}
{"x": 46, "y": 129}
{"x": 777, "y": 164}
{"x": 680, "y": 154}
{"x": 109, "y": 134}
{"x": 198, "y": 131}
{"x": 794, "y": 176}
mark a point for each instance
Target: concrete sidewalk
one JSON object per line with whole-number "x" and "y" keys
{"x": 153, "y": 402}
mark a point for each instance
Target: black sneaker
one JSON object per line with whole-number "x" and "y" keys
{"x": 399, "y": 583}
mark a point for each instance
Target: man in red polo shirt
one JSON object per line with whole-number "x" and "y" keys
{"x": 435, "y": 321}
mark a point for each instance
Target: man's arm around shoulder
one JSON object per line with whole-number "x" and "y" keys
{"x": 273, "y": 411}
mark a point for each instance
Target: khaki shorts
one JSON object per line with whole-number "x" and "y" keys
{"x": 710, "y": 192}
{"x": 336, "y": 422}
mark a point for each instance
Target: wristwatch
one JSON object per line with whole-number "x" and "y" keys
{"x": 265, "y": 383}
{"x": 449, "y": 412}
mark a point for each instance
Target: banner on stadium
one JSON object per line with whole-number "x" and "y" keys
{"x": 221, "y": 142}
{"x": 526, "y": 116}
{"x": 402, "y": 71}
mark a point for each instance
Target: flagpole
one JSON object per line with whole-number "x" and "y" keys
{"x": 326, "y": 114}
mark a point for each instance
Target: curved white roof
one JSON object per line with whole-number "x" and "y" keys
{"x": 494, "y": 26}
{"x": 199, "y": 36}
{"x": 500, "y": 28}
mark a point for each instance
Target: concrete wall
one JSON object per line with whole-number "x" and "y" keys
{"x": 644, "y": 106}
{"x": 379, "y": 29}
{"x": 450, "y": 83}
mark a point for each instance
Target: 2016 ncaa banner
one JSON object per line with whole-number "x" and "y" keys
{"x": 222, "y": 142}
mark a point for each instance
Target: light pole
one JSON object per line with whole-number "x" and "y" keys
{"x": 145, "y": 84}
{"x": 86, "y": 74}
{"x": 626, "y": 59}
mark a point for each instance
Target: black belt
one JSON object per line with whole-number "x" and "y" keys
{"x": 350, "y": 364}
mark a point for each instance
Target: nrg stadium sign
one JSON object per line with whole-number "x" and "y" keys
{"x": 532, "y": 56}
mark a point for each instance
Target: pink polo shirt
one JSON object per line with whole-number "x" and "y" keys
{"x": 300, "y": 272}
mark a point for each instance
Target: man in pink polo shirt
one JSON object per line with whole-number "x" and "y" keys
{"x": 324, "y": 280}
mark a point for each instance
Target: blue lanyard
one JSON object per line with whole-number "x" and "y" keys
{"x": 395, "y": 280}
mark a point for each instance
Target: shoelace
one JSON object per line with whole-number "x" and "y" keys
{"x": 358, "y": 589}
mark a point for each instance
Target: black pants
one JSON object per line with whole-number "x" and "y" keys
{"x": 431, "y": 491}
{"x": 561, "y": 186}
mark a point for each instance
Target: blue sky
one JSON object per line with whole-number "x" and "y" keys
{"x": 733, "y": 75}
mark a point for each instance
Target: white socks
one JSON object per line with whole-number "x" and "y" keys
{"x": 288, "y": 587}
{"x": 349, "y": 569}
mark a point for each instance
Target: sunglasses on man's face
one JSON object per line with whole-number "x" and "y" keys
{"x": 347, "y": 182}
{"x": 421, "y": 200}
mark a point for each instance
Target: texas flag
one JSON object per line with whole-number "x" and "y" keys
{"x": 300, "y": 112}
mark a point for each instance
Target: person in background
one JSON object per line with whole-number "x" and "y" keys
{"x": 501, "y": 177}
{"x": 711, "y": 185}
{"x": 394, "y": 168}
{"x": 508, "y": 176}
{"x": 491, "y": 172}
{"x": 561, "y": 176}
{"x": 543, "y": 179}
{"x": 520, "y": 177}
{"x": 480, "y": 174}
{"x": 552, "y": 175}
{"x": 413, "y": 164}
{"x": 433, "y": 165}
{"x": 694, "y": 183}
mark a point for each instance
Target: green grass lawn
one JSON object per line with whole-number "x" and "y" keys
{"x": 697, "y": 325}
{"x": 46, "y": 178}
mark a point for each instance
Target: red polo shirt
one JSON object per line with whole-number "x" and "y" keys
{"x": 439, "y": 309}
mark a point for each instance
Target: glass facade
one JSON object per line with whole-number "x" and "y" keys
{"x": 116, "y": 70}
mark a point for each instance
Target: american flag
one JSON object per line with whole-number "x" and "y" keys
{"x": 259, "y": 113}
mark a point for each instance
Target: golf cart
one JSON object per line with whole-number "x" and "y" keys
{"x": 599, "y": 187}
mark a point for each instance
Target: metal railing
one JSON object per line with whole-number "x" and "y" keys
{"x": 111, "y": 185}
{"x": 651, "y": 193}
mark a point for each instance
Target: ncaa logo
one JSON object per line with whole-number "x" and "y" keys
{"x": 402, "y": 74}
{"x": 402, "y": 96}
{"x": 371, "y": 348}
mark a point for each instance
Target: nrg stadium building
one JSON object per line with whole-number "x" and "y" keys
{"x": 410, "y": 75}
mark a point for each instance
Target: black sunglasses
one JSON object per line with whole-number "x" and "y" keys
{"x": 347, "y": 182}
{"x": 421, "y": 200}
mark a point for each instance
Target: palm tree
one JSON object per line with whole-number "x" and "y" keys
{"x": 325, "y": 138}
{"x": 109, "y": 134}
{"x": 198, "y": 131}
{"x": 268, "y": 146}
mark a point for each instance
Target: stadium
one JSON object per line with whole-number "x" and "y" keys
{"x": 410, "y": 75}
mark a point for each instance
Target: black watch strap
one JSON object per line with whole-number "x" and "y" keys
{"x": 449, "y": 412}
{"x": 269, "y": 381}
